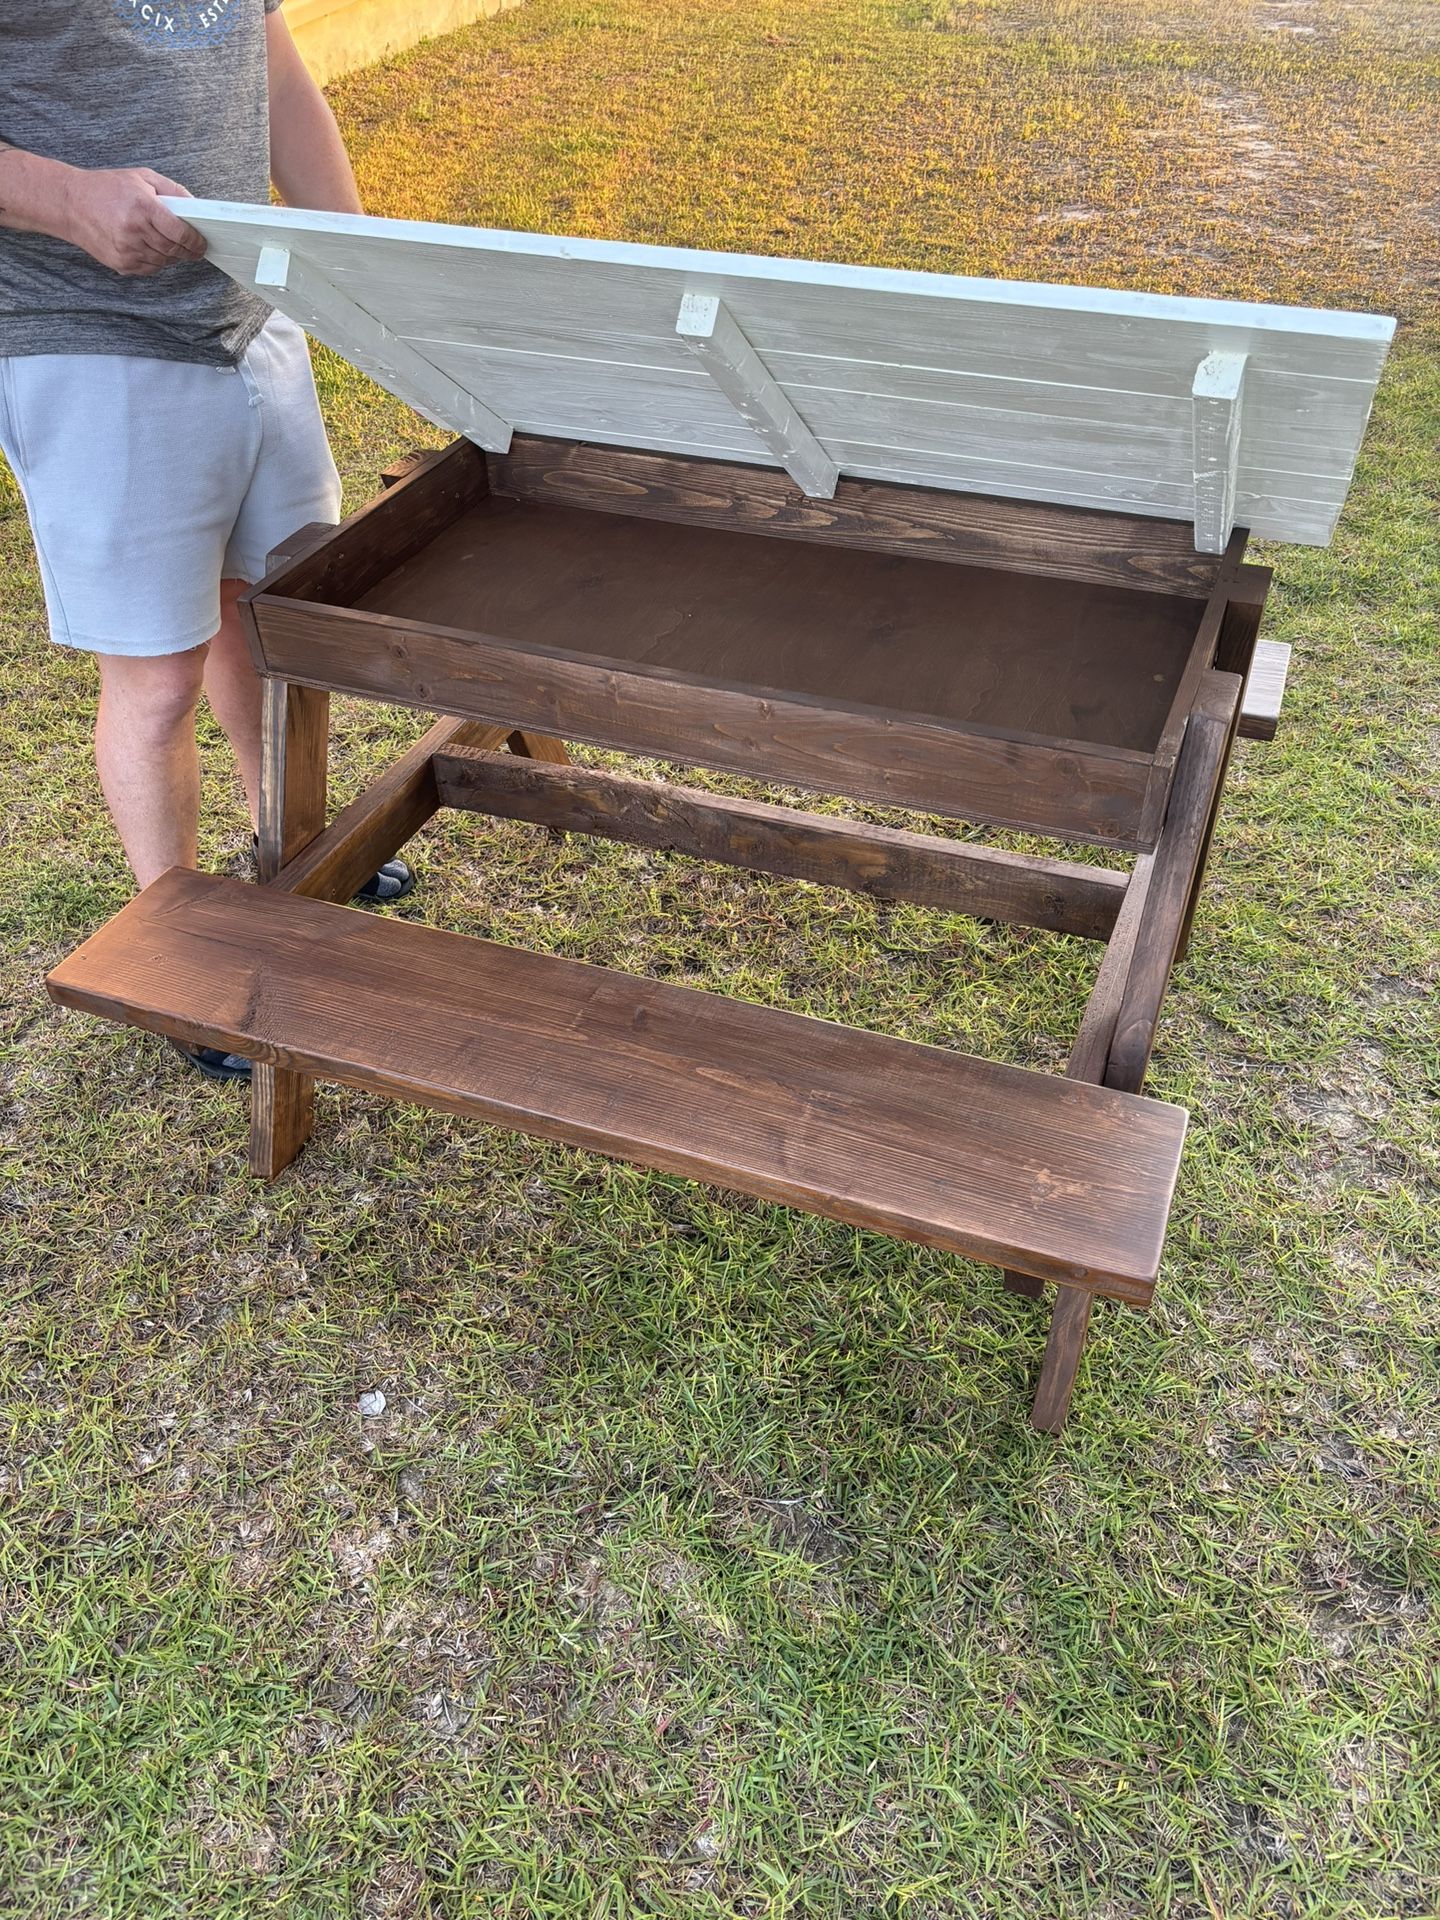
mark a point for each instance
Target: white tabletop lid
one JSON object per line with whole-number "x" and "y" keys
{"x": 1214, "y": 411}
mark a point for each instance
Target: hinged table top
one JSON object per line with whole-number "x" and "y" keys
{"x": 1217, "y": 412}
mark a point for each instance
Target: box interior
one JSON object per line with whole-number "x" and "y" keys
{"x": 1010, "y": 652}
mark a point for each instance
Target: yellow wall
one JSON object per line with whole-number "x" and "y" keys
{"x": 336, "y": 35}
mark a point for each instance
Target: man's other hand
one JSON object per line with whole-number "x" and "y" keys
{"x": 116, "y": 216}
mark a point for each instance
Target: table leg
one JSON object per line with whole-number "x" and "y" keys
{"x": 295, "y": 751}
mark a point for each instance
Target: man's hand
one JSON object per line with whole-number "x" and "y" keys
{"x": 116, "y": 216}
{"x": 113, "y": 214}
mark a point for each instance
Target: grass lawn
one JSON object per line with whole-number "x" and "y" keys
{"x": 701, "y": 1562}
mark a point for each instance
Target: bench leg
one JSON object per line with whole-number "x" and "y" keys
{"x": 1069, "y": 1324}
{"x": 1118, "y": 1029}
{"x": 1024, "y": 1284}
{"x": 539, "y": 746}
{"x": 295, "y": 750}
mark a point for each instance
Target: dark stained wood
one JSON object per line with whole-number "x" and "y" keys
{"x": 382, "y": 535}
{"x": 374, "y": 827}
{"x": 1026, "y": 655}
{"x": 294, "y": 762}
{"x": 539, "y": 746}
{"x": 1179, "y": 863}
{"x": 1246, "y": 606}
{"x": 1200, "y": 655}
{"x": 404, "y": 466}
{"x": 1070, "y": 790}
{"x": 957, "y": 876}
{"x": 1091, "y": 1051}
{"x": 294, "y": 759}
{"x": 1264, "y": 690}
{"x": 1064, "y": 1345}
{"x": 1089, "y": 1057}
{"x": 1050, "y": 1176}
{"x": 1118, "y": 1031}
{"x": 1024, "y": 536}
{"x": 1024, "y": 1284}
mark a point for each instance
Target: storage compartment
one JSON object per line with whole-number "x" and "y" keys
{"x": 1023, "y": 667}
{"x": 1014, "y": 653}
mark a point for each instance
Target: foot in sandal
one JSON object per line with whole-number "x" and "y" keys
{"x": 393, "y": 882}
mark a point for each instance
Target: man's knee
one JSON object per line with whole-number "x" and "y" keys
{"x": 154, "y": 697}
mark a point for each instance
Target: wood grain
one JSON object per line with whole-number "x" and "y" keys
{"x": 379, "y": 821}
{"x": 1265, "y": 690}
{"x": 1179, "y": 862}
{"x": 1066, "y": 1181}
{"x": 1065, "y": 543}
{"x": 1044, "y": 658}
{"x": 1084, "y": 395}
{"x": 381, "y": 535}
{"x": 294, "y": 761}
{"x": 1061, "y": 896}
{"x": 1069, "y": 789}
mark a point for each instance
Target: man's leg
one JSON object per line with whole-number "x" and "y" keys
{"x": 233, "y": 689}
{"x": 146, "y": 757}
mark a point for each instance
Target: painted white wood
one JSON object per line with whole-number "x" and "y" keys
{"x": 709, "y": 329}
{"x": 1069, "y": 394}
{"x": 341, "y": 323}
{"x": 1264, "y": 690}
{"x": 1216, "y": 397}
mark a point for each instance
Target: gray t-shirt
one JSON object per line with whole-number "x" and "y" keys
{"x": 177, "y": 85}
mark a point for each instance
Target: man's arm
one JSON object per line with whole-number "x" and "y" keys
{"x": 114, "y": 214}
{"x": 308, "y": 162}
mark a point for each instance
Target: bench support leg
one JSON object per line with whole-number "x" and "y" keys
{"x": 295, "y": 748}
{"x": 1069, "y": 1324}
{"x": 1118, "y": 1029}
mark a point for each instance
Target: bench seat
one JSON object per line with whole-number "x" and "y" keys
{"x": 1039, "y": 1174}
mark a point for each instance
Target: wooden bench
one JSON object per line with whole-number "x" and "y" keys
{"x": 968, "y": 549}
{"x": 1061, "y": 1180}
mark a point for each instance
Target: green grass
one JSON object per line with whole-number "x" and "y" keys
{"x": 702, "y": 1562}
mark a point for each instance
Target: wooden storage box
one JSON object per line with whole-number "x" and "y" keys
{"x": 1029, "y": 666}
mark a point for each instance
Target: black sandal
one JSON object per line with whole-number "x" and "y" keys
{"x": 213, "y": 1062}
{"x": 393, "y": 882}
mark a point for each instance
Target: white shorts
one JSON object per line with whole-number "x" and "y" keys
{"x": 148, "y": 482}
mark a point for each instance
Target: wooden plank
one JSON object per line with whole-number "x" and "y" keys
{"x": 380, "y": 536}
{"x": 1032, "y": 658}
{"x": 294, "y": 761}
{"x": 1058, "y": 895}
{"x": 1064, "y": 1345}
{"x": 376, "y": 824}
{"x": 1091, "y": 1050}
{"x": 295, "y": 745}
{"x": 1217, "y": 397}
{"x": 1065, "y": 789}
{"x": 1118, "y": 1031}
{"x": 1089, "y": 1058}
{"x": 576, "y": 337}
{"x": 1179, "y": 857}
{"x": 1067, "y": 543}
{"x": 336, "y": 317}
{"x": 709, "y": 329}
{"x": 1264, "y": 690}
{"x": 1244, "y": 608}
{"x": 1047, "y": 1175}
{"x": 539, "y": 746}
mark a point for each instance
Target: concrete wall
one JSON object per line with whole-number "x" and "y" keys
{"x": 336, "y": 35}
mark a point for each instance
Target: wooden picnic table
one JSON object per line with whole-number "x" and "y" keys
{"x": 968, "y": 548}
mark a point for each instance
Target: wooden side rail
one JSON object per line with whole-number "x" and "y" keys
{"x": 959, "y": 877}
{"x": 1064, "y": 1180}
{"x": 1117, "y": 1033}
